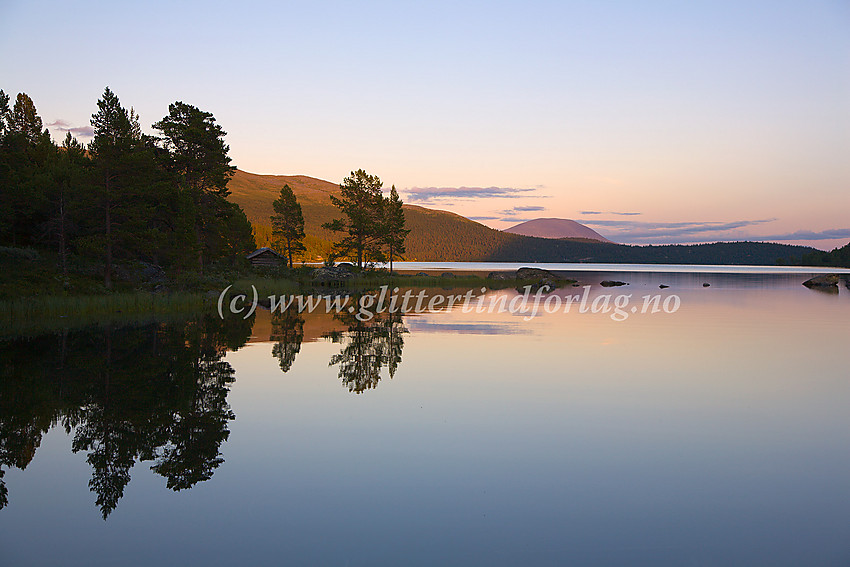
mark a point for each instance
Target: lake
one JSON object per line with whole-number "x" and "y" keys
{"x": 709, "y": 429}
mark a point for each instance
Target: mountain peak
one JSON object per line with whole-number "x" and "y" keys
{"x": 555, "y": 228}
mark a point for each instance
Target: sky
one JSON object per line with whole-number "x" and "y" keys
{"x": 651, "y": 122}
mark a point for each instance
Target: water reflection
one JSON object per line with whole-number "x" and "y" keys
{"x": 151, "y": 393}
{"x": 158, "y": 392}
{"x": 288, "y": 334}
{"x": 369, "y": 346}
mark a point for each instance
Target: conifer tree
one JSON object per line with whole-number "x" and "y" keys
{"x": 288, "y": 223}
{"x": 198, "y": 157}
{"x": 362, "y": 203}
{"x": 113, "y": 141}
{"x": 393, "y": 232}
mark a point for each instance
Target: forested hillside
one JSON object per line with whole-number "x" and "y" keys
{"x": 443, "y": 236}
{"x": 837, "y": 258}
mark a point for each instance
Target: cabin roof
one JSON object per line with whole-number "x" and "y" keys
{"x": 261, "y": 251}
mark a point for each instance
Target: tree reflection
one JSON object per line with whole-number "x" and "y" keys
{"x": 288, "y": 332}
{"x": 369, "y": 347}
{"x": 151, "y": 393}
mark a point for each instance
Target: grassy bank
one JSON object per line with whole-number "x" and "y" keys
{"x": 47, "y": 313}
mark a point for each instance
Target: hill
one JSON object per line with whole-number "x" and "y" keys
{"x": 836, "y": 258}
{"x": 443, "y": 236}
{"x": 555, "y": 228}
{"x": 434, "y": 234}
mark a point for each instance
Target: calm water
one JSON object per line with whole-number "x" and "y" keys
{"x": 630, "y": 268}
{"x": 714, "y": 435}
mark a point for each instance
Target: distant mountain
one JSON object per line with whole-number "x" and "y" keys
{"x": 443, "y": 236}
{"x": 555, "y": 228}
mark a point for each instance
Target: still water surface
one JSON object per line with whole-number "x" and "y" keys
{"x": 715, "y": 435}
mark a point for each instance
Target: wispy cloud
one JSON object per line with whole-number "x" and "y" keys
{"x": 626, "y": 214}
{"x": 831, "y": 234}
{"x": 78, "y": 131}
{"x": 483, "y": 218}
{"x": 641, "y": 231}
{"x": 644, "y": 228}
{"x": 430, "y": 194}
{"x": 525, "y": 209}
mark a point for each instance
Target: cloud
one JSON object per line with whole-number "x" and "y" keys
{"x": 831, "y": 234}
{"x": 633, "y": 231}
{"x": 429, "y": 194}
{"x": 639, "y": 232}
{"x": 525, "y": 209}
{"x": 626, "y": 214}
{"x": 64, "y": 126}
{"x": 483, "y": 218}
{"x": 687, "y": 225}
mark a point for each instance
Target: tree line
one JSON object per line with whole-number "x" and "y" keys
{"x": 373, "y": 226}
{"x": 126, "y": 197}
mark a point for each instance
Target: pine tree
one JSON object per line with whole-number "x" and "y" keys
{"x": 198, "y": 157}
{"x": 5, "y": 114}
{"x": 288, "y": 223}
{"x": 113, "y": 140}
{"x": 25, "y": 119}
{"x": 393, "y": 232}
{"x": 27, "y": 155}
{"x": 361, "y": 202}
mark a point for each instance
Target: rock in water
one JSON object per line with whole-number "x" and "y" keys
{"x": 662, "y": 286}
{"x": 331, "y": 275}
{"x": 706, "y": 284}
{"x": 541, "y": 278}
{"x": 534, "y": 274}
{"x": 822, "y": 281}
{"x": 611, "y": 283}
{"x": 500, "y": 276}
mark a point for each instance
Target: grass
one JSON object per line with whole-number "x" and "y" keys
{"x": 46, "y": 313}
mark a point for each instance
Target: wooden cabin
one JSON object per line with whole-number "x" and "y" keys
{"x": 265, "y": 258}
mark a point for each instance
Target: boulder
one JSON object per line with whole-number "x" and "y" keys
{"x": 534, "y": 274}
{"x": 331, "y": 275}
{"x": 423, "y": 275}
{"x": 825, "y": 280}
{"x": 541, "y": 278}
{"x": 611, "y": 283}
{"x": 500, "y": 276}
{"x": 447, "y": 275}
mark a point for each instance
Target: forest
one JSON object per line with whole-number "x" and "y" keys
{"x": 127, "y": 205}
